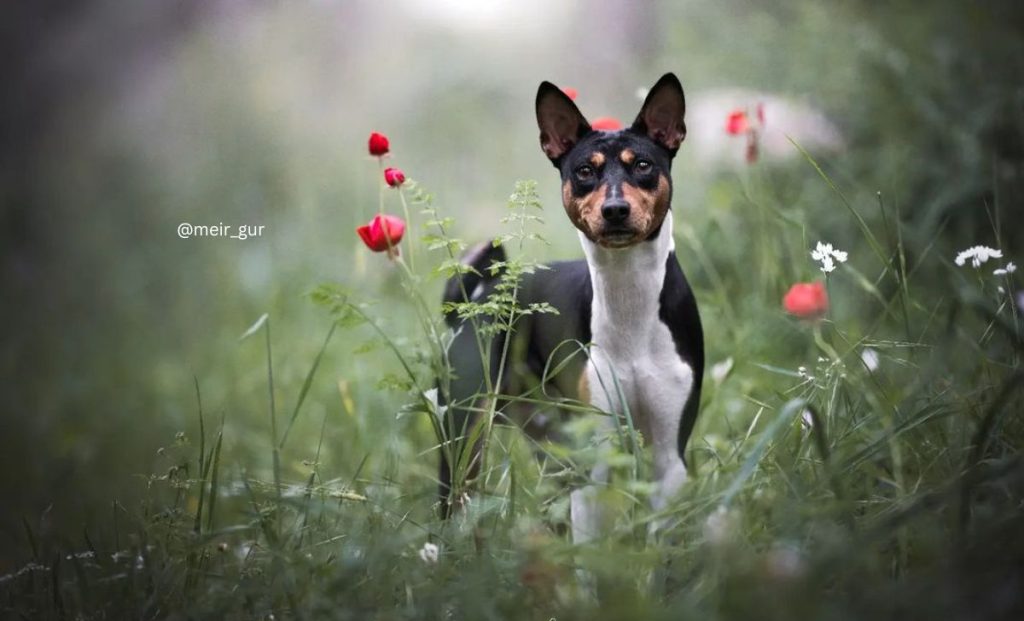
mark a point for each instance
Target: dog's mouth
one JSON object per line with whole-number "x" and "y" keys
{"x": 618, "y": 237}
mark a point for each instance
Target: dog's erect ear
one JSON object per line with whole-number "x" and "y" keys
{"x": 662, "y": 116}
{"x": 560, "y": 121}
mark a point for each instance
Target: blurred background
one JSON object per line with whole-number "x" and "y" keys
{"x": 121, "y": 120}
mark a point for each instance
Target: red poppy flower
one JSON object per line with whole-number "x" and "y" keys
{"x": 379, "y": 145}
{"x": 736, "y": 122}
{"x": 807, "y": 300}
{"x": 383, "y": 233}
{"x": 606, "y": 123}
{"x": 570, "y": 92}
{"x": 394, "y": 176}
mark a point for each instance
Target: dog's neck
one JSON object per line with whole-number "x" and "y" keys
{"x": 627, "y": 285}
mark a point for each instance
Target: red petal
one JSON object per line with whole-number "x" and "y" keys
{"x": 736, "y": 123}
{"x": 378, "y": 144}
{"x": 606, "y": 123}
{"x": 367, "y": 236}
{"x": 806, "y": 300}
{"x": 570, "y": 92}
{"x": 395, "y": 227}
{"x": 373, "y": 234}
{"x": 394, "y": 177}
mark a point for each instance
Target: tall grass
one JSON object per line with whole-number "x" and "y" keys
{"x": 867, "y": 464}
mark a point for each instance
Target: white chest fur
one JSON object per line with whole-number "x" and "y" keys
{"x": 634, "y": 363}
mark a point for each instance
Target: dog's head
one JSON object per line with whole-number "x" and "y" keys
{"x": 616, "y": 185}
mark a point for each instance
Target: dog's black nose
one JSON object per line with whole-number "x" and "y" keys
{"x": 615, "y": 211}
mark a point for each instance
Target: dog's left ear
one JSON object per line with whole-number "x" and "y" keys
{"x": 662, "y": 116}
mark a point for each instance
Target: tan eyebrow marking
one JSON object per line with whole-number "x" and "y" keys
{"x": 597, "y": 159}
{"x": 627, "y": 156}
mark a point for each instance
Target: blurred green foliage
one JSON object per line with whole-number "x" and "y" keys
{"x": 124, "y": 121}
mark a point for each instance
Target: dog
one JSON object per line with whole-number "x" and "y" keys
{"x": 628, "y": 299}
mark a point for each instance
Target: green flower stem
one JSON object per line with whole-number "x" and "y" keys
{"x": 408, "y": 225}
{"x": 822, "y": 344}
{"x": 380, "y": 187}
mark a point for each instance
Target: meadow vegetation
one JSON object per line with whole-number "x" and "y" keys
{"x": 279, "y": 461}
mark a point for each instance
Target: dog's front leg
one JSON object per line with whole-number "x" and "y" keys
{"x": 665, "y": 413}
{"x": 588, "y": 518}
{"x": 669, "y": 473}
{"x": 586, "y": 512}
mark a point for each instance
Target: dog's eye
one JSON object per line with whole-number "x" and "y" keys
{"x": 643, "y": 166}
{"x": 585, "y": 173}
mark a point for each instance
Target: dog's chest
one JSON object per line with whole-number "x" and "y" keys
{"x": 634, "y": 361}
{"x": 636, "y": 366}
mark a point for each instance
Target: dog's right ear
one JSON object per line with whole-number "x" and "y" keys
{"x": 560, "y": 121}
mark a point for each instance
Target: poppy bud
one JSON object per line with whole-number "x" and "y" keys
{"x": 807, "y": 300}
{"x": 736, "y": 122}
{"x": 379, "y": 145}
{"x": 394, "y": 176}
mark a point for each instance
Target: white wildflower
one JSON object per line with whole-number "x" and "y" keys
{"x": 1000, "y": 290}
{"x": 720, "y": 370}
{"x": 827, "y": 256}
{"x": 978, "y": 255}
{"x": 437, "y": 409}
{"x": 1003, "y": 271}
{"x": 429, "y": 553}
{"x": 870, "y": 358}
{"x": 807, "y": 419}
{"x": 641, "y": 93}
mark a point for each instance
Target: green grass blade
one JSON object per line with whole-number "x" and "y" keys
{"x": 197, "y": 524}
{"x": 791, "y": 409}
{"x": 872, "y": 241}
{"x": 214, "y": 477}
{"x": 306, "y": 384}
{"x": 255, "y": 327}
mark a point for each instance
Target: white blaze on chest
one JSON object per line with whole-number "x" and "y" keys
{"x": 632, "y": 347}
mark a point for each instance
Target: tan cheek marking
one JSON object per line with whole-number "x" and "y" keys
{"x": 627, "y": 156}
{"x": 597, "y": 159}
{"x": 591, "y": 209}
{"x": 585, "y": 211}
{"x": 647, "y": 208}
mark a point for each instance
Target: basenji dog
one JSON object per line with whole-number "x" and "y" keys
{"x": 628, "y": 301}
